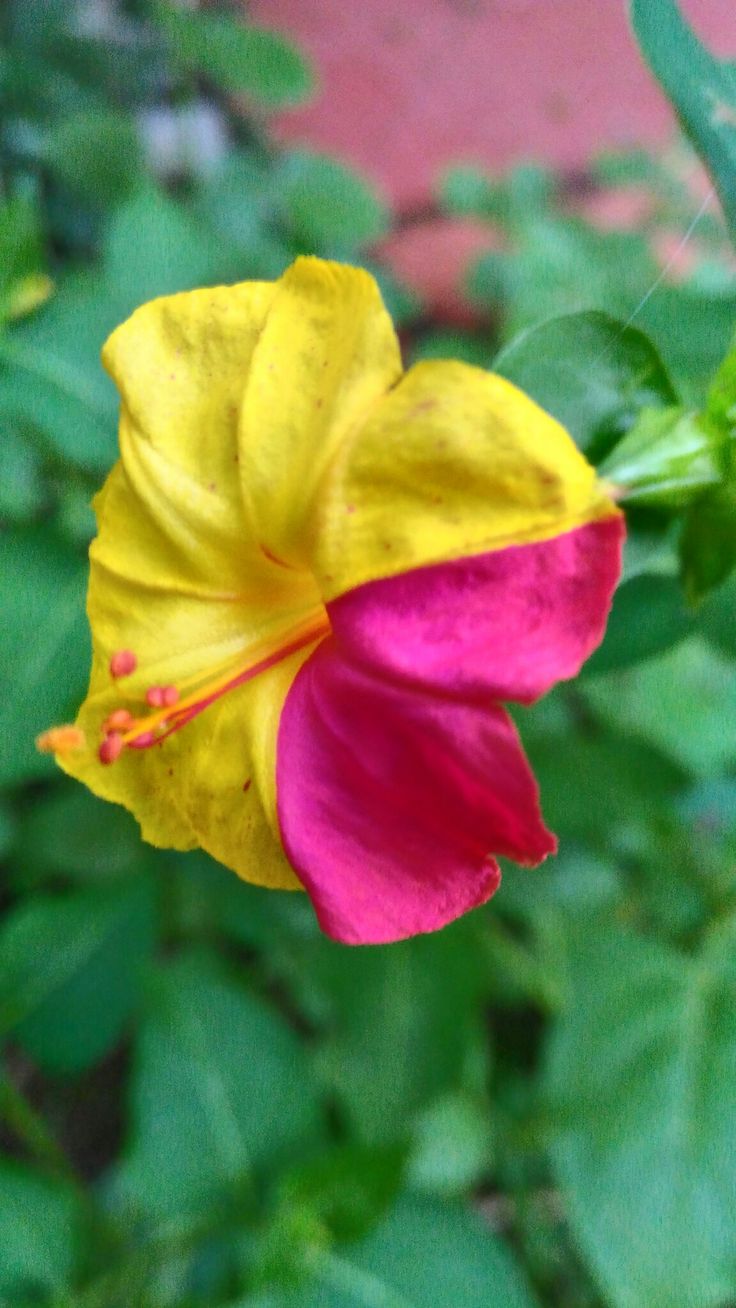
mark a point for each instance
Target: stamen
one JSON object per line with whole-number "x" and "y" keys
{"x": 174, "y": 711}
{"x": 162, "y": 696}
{"x": 111, "y": 747}
{"x": 120, "y": 720}
{"x": 142, "y": 741}
{"x": 60, "y": 740}
{"x": 122, "y": 663}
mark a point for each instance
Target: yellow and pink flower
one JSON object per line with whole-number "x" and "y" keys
{"x": 316, "y": 579}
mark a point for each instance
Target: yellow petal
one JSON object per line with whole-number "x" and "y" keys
{"x": 226, "y": 777}
{"x": 177, "y": 575}
{"x": 217, "y": 788}
{"x": 328, "y": 352}
{"x": 453, "y": 462}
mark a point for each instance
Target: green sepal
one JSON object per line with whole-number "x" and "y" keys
{"x": 666, "y": 460}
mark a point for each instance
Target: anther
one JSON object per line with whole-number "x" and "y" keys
{"x": 120, "y": 720}
{"x": 60, "y": 740}
{"x": 145, "y": 739}
{"x": 155, "y": 696}
{"x": 111, "y": 747}
{"x": 122, "y": 663}
{"x": 170, "y": 696}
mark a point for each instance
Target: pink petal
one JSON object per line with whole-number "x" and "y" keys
{"x": 392, "y": 800}
{"x": 504, "y": 625}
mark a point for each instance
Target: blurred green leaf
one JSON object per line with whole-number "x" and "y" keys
{"x": 51, "y": 377}
{"x": 708, "y": 543}
{"x": 407, "y": 1025}
{"x": 45, "y": 651}
{"x": 648, "y": 616}
{"x": 39, "y": 1233}
{"x": 594, "y": 784}
{"x": 21, "y": 247}
{"x": 72, "y": 832}
{"x": 237, "y": 57}
{"x": 70, "y": 972}
{"x": 445, "y": 343}
{"x": 96, "y": 155}
{"x": 423, "y": 1255}
{"x": 642, "y": 1071}
{"x": 720, "y": 408}
{"x": 328, "y": 206}
{"x": 452, "y": 1145}
{"x": 468, "y": 192}
{"x": 221, "y": 1085}
{"x": 154, "y": 246}
{"x": 678, "y": 702}
{"x": 701, "y": 87}
{"x": 692, "y": 330}
{"x": 237, "y": 204}
{"x": 560, "y": 265}
{"x": 718, "y": 617}
{"x": 591, "y": 373}
{"x": 23, "y": 491}
{"x": 347, "y": 1188}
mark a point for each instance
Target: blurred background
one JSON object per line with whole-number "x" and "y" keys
{"x": 203, "y": 1102}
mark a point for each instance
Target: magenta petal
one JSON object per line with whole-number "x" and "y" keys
{"x": 506, "y": 625}
{"x": 391, "y": 801}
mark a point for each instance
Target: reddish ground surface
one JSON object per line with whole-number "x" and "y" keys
{"x": 408, "y": 86}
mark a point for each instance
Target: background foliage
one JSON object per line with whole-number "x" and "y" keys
{"x": 202, "y": 1100}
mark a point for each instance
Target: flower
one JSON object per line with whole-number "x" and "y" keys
{"x": 316, "y": 577}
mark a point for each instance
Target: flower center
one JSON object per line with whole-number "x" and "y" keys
{"x": 172, "y": 710}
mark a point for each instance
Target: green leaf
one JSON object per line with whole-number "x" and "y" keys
{"x": 449, "y": 343}
{"x": 692, "y": 329}
{"x": 720, "y": 407}
{"x": 235, "y": 203}
{"x": 21, "y": 248}
{"x": 678, "y": 701}
{"x": 70, "y": 972}
{"x": 591, "y": 373}
{"x": 452, "y": 1145}
{"x": 406, "y": 1027}
{"x": 667, "y": 459}
{"x": 423, "y": 1255}
{"x": 39, "y": 1233}
{"x": 221, "y": 1085}
{"x": 649, "y": 615}
{"x": 72, "y": 833}
{"x": 718, "y": 617}
{"x": 595, "y": 783}
{"x": 701, "y": 87}
{"x": 23, "y": 492}
{"x": 97, "y": 156}
{"x": 44, "y": 660}
{"x": 237, "y": 57}
{"x": 328, "y": 206}
{"x": 154, "y": 246}
{"x": 642, "y": 1071}
{"x": 468, "y": 192}
{"x": 558, "y": 265}
{"x": 51, "y": 377}
{"x": 347, "y": 1188}
{"x": 708, "y": 542}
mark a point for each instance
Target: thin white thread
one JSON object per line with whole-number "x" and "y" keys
{"x": 658, "y": 280}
